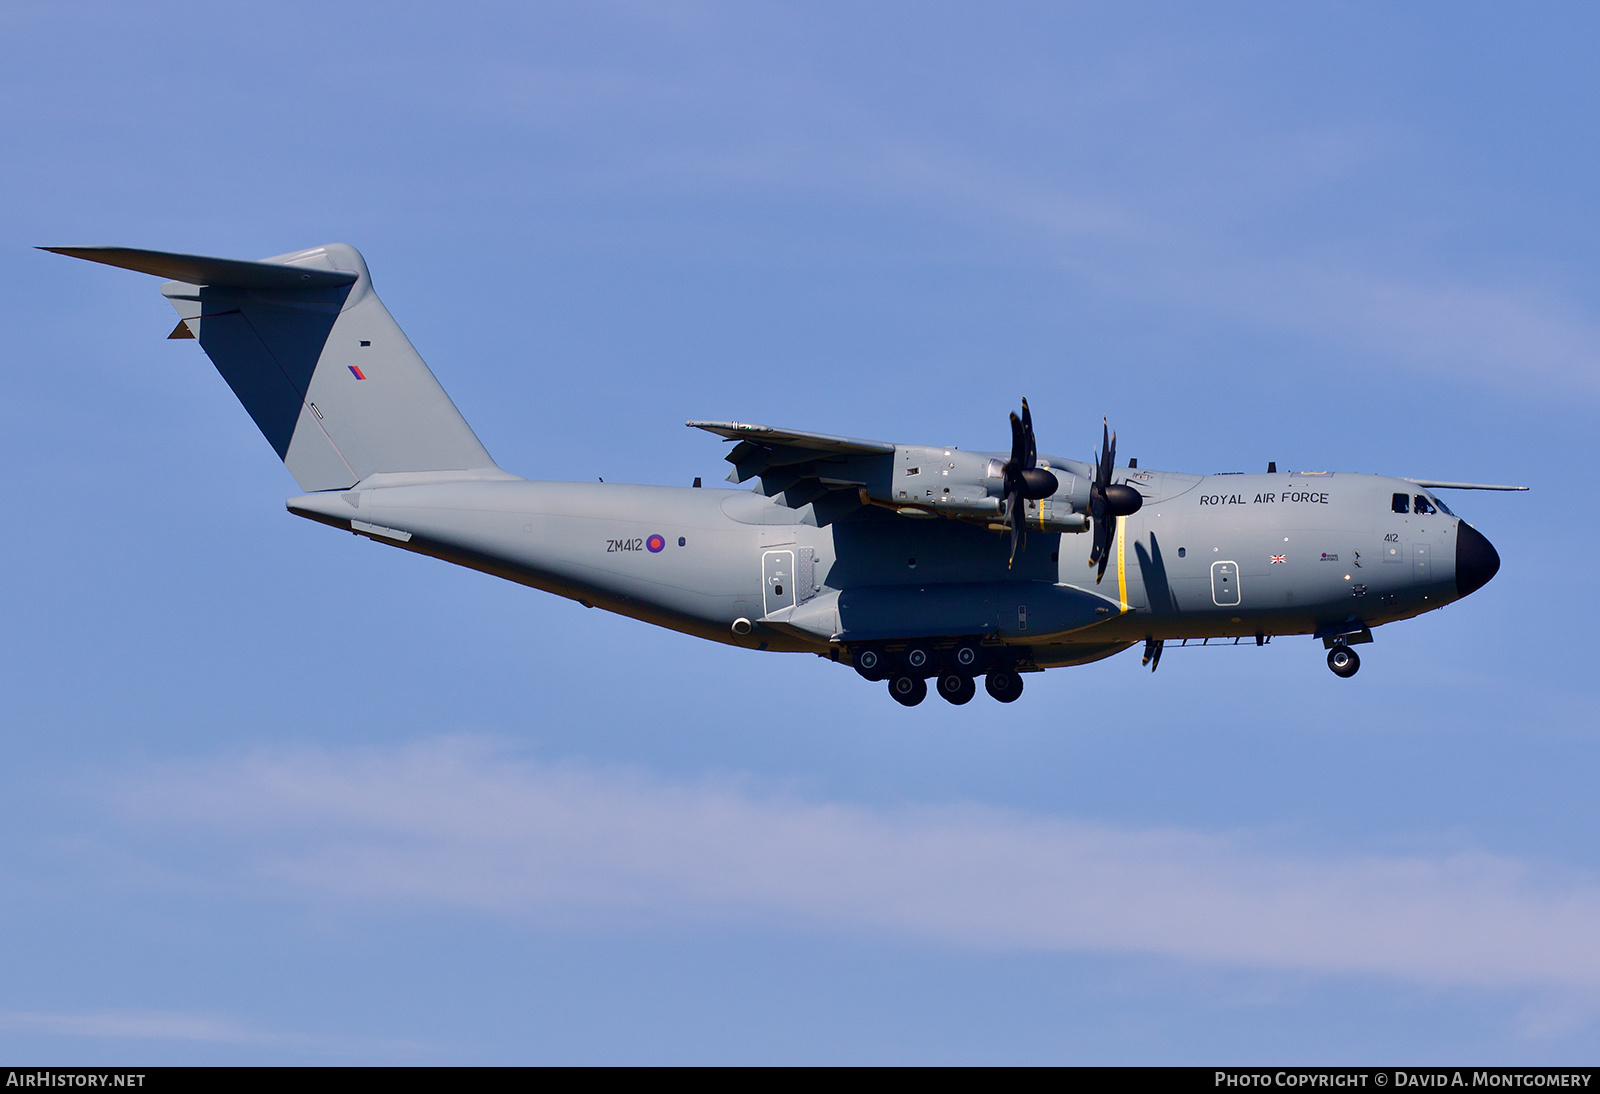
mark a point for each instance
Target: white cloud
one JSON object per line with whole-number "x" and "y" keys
{"x": 136, "y": 1025}
{"x": 451, "y": 822}
{"x": 155, "y": 1025}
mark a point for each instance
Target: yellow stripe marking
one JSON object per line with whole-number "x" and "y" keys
{"x": 1122, "y": 567}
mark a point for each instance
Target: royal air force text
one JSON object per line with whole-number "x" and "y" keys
{"x": 1292, "y": 497}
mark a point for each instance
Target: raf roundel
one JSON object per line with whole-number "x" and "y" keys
{"x": 655, "y": 543}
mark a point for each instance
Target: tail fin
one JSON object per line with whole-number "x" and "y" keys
{"x": 315, "y": 357}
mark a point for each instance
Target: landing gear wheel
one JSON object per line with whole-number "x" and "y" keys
{"x": 917, "y": 657}
{"x": 966, "y": 656}
{"x": 1005, "y": 686}
{"x": 1343, "y": 661}
{"x": 869, "y": 663}
{"x": 956, "y": 688}
{"x": 908, "y": 691}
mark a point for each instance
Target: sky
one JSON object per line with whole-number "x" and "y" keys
{"x": 277, "y": 794}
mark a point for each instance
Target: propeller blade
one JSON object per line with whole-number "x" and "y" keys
{"x": 1025, "y": 480}
{"x": 1031, "y": 456}
{"x": 1014, "y": 516}
{"x": 1104, "y": 529}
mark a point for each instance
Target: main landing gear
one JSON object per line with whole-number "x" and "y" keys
{"x": 957, "y": 688}
{"x": 1343, "y": 661}
{"x": 1004, "y": 686}
{"x": 908, "y": 690}
{"x": 954, "y": 672}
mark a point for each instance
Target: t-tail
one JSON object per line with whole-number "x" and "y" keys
{"x": 326, "y": 373}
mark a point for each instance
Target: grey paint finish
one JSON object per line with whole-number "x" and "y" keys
{"x": 844, "y": 544}
{"x": 326, "y": 373}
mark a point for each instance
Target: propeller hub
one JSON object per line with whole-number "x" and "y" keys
{"x": 1038, "y": 483}
{"x": 1122, "y": 500}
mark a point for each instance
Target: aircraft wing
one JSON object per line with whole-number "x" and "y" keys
{"x": 799, "y": 468}
{"x": 794, "y": 438}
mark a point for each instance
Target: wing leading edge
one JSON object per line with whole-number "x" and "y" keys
{"x": 823, "y": 471}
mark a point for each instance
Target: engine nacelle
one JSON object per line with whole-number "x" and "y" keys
{"x": 1053, "y": 514}
{"x": 971, "y": 486}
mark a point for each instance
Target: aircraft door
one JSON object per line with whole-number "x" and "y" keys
{"x": 1225, "y": 584}
{"x": 1421, "y": 564}
{"x": 777, "y": 580}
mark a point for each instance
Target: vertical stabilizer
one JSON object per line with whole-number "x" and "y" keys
{"x": 323, "y": 369}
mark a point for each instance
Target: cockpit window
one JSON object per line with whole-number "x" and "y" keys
{"x": 1443, "y": 508}
{"x": 1422, "y": 506}
{"x": 1401, "y": 504}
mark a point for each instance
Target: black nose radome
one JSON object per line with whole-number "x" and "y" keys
{"x": 1476, "y": 559}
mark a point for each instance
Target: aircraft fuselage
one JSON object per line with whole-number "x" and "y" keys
{"x": 1214, "y": 556}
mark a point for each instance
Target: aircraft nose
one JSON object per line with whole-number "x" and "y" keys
{"x": 1476, "y": 559}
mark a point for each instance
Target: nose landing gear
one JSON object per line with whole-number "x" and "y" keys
{"x": 1343, "y": 661}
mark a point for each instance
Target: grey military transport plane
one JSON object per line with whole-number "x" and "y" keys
{"x": 908, "y": 562}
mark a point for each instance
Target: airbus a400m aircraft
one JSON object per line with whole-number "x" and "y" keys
{"x": 908, "y": 562}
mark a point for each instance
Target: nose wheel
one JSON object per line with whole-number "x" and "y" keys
{"x": 1343, "y": 661}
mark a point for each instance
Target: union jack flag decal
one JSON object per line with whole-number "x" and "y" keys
{"x": 1279, "y": 558}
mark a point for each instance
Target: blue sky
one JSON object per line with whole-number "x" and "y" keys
{"x": 278, "y": 794}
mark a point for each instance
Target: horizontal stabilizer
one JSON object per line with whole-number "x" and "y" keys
{"x": 231, "y": 273}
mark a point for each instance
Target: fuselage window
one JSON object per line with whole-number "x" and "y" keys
{"x": 1400, "y": 504}
{"x": 1422, "y": 506}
